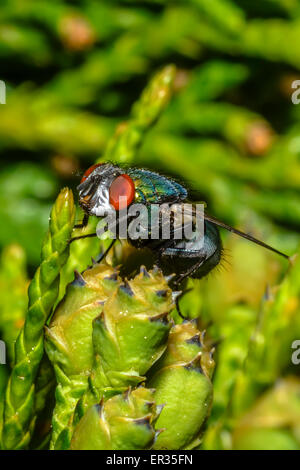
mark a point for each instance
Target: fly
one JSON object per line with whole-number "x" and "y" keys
{"x": 100, "y": 190}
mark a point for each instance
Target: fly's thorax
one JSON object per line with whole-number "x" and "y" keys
{"x": 152, "y": 187}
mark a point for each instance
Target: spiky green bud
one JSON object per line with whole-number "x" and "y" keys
{"x": 106, "y": 333}
{"x": 124, "y": 422}
{"x": 69, "y": 336}
{"x": 182, "y": 382}
{"x": 132, "y": 331}
{"x": 69, "y": 339}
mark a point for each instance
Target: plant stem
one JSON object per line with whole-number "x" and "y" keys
{"x": 20, "y": 393}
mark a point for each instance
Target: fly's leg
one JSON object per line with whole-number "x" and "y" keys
{"x": 88, "y": 235}
{"x": 178, "y": 309}
{"x": 179, "y": 295}
{"x": 178, "y": 280}
{"x": 84, "y": 222}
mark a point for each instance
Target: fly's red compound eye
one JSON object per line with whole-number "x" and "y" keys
{"x": 121, "y": 187}
{"x": 89, "y": 171}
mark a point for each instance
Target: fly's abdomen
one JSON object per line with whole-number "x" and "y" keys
{"x": 184, "y": 254}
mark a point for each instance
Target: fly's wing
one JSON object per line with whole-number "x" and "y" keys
{"x": 177, "y": 222}
{"x": 190, "y": 210}
{"x": 217, "y": 222}
{"x": 172, "y": 217}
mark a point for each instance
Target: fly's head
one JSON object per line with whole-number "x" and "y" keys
{"x": 105, "y": 188}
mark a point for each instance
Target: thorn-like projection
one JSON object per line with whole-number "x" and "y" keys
{"x": 93, "y": 261}
{"x": 162, "y": 317}
{"x": 78, "y": 279}
{"x": 101, "y": 403}
{"x": 144, "y": 271}
{"x": 127, "y": 289}
{"x": 195, "y": 340}
{"x": 176, "y": 294}
{"x": 99, "y": 407}
{"x": 162, "y": 293}
{"x": 112, "y": 277}
{"x": 169, "y": 278}
{"x": 195, "y": 364}
{"x": 157, "y": 433}
{"x": 159, "y": 409}
{"x": 100, "y": 319}
{"x": 144, "y": 421}
{"x": 156, "y": 269}
{"x": 142, "y": 385}
{"x": 202, "y": 336}
{"x": 192, "y": 321}
{"x": 127, "y": 393}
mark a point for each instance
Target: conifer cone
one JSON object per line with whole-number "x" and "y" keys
{"x": 182, "y": 382}
{"x": 104, "y": 336}
{"x": 132, "y": 331}
{"x": 124, "y": 422}
{"x": 69, "y": 341}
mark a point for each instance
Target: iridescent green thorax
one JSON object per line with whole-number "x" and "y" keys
{"x": 154, "y": 188}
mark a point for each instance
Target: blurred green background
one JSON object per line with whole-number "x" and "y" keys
{"x": 72, "y": 71}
